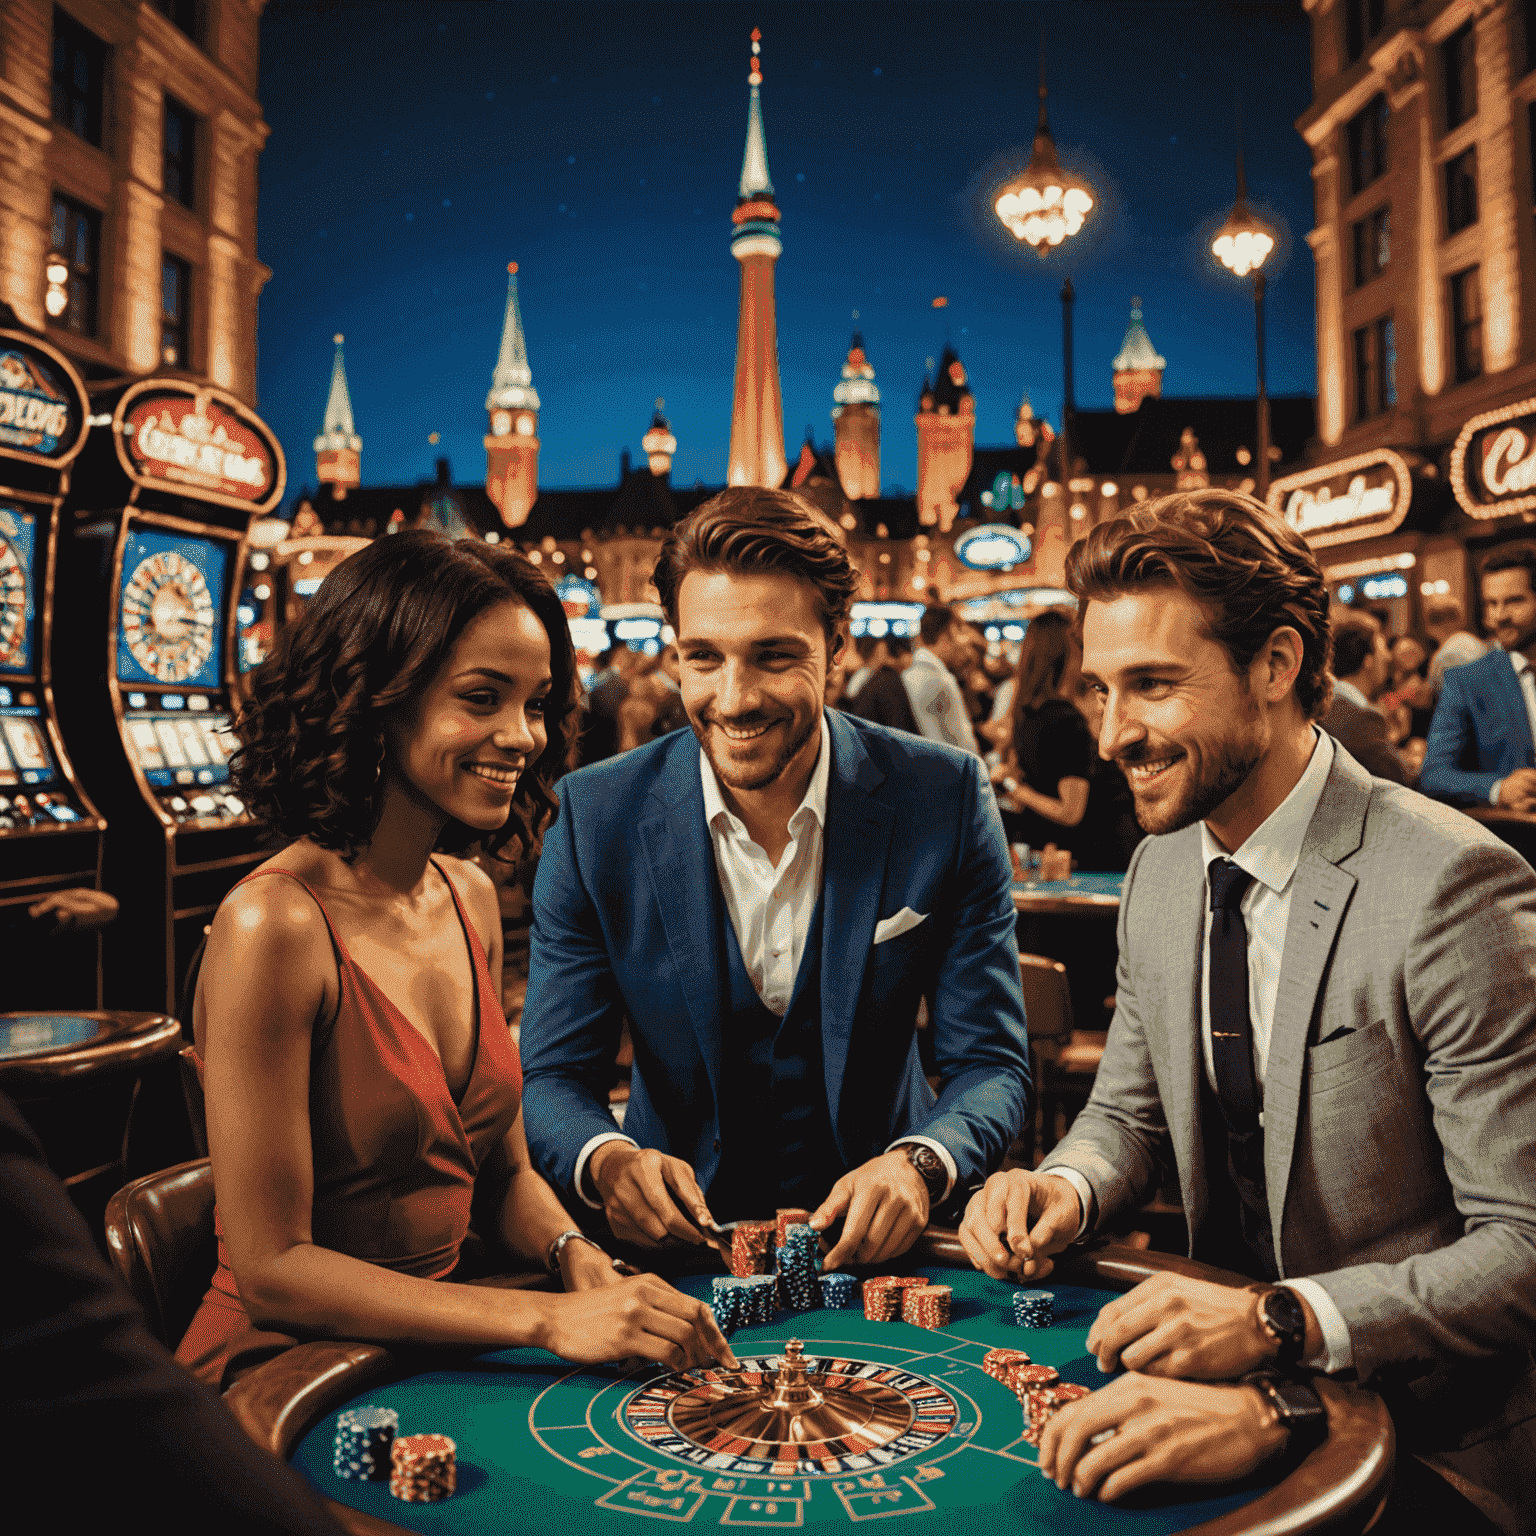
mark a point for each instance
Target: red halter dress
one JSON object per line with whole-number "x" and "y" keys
{"x": 395, "y": 1155}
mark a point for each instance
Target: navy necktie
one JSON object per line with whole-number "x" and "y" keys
{"x": 1231, "y": 1028}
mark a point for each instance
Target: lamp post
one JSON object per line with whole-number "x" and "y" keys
{"x": 1042, "y": 207}
{"x": 1241, "y": 245}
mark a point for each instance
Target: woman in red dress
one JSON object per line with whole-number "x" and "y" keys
{"x": 362, "y": 1086}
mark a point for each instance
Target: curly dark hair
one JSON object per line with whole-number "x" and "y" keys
{"x": 376, "y": 634}
{"x": 1250, "y": 572}
{"x": 748, "y": 530}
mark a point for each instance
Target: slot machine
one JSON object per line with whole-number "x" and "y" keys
{"x": 162, "y": 504}
{"x": 50, "y": 831}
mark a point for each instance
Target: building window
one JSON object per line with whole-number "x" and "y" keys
{"x": 79, "y": 68}
{"x": 1362, "y": 21}
{"x": 180, "y": 153}
{"x": 1467, "y": 324}
{"x": 1460, "y": 55}
{"x": 180, "y": 13}
{"x": 77, "y": 238}
{"x": 175, "y": 312}
{"x": 1375, "y": 368}
{"x": 1461, "y": 191}
{"x": 1373, "y": 245}
{"x": 1367, "y": 135}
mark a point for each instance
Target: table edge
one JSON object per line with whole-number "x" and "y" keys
{"x": 1339, "y": 1487}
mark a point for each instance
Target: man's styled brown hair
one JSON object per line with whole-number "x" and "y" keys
{"x": 1249, "y": 571}
{"x": 750, "y": 531}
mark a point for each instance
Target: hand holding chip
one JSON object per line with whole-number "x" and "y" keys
{"x": 1142, "y": 1429}
{"x": 1016, "y": 1220}
{"x": 649, "y": 1197}
{"x": 883, "y": 1205}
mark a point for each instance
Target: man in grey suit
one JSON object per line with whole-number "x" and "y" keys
{"x": 1325, "y": 1001}
{"x": 1361, "y": 666}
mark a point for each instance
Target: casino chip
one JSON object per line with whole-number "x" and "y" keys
{"x": 1034, "y": 1309}
{"x": 425, "y": 1468}
{"x": 760, "y": 1300}
{"x": 996, "y": 1362}
{"x": 1041, "y": 1403}
{"x": 729, "y": 1303}
{"x": 798, "y": 1256}
{"x": 752, "y": 1248}
{"x": 364, "y": 1439}
{"x": 786, "y": 1217}
{"x": 926, "y": 1306}
{"x": 839, "y": 1290}
{"x": 1022, "y": 1379}
{"x": 882, "y": 1296}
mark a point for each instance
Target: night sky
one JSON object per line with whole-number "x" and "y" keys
{"x": 417, "y": 148}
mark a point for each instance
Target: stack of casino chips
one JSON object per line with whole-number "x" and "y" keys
{"x": 746, "y": 1301}
{"x": 1040, "y": 1403}
{"x": 998, "y": 1362}
{"x": 926, "y": 1306}
{"x": 1033, "y": 1309}
{"x": 728, "y": 1303}
{"x": 425, "y": 1469}
{"x": 752, "y": 1248}
{"x": 784, "y": 1218}
{"x": 839, "y": 1290}
{"x": 364, "y": 1439}
{"x": 882, "y": 1296}
{"x": 798, "y": 1256}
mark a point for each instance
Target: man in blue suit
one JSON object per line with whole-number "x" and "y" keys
{"x": 767, "y": 912}
{"x": 1482, "y": 740}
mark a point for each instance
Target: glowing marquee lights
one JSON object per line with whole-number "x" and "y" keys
{"x": 991, "y": 548}
{"x": 1355, "y": 498}
{"x": 1493, "y": 465}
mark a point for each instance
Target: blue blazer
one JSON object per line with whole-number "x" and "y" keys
{"x": 1480, "y": 732}
{"x": 625, "y": 913}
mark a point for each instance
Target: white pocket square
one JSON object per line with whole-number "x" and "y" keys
{"x": 893, "y": 927}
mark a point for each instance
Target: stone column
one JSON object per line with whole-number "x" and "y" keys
{"x": 1498, "y": 207}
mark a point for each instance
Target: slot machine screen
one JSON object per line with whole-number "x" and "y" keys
{"x": 18, "y": 548}
{"x": 24, "y": 754}
{"x": 174, "y": 749}
{"x": 170, "y": 618}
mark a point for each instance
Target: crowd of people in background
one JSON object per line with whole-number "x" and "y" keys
{"x": 1036, "y": 723}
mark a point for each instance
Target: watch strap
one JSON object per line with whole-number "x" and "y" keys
{"x": 1297, "y": 1406}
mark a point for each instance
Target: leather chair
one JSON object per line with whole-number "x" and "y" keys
{"x": 1064, "y": 1060}
{"x": 160, "y": 1239}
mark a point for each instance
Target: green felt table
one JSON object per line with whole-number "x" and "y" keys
{"x": 1085, "y": 894}
{"x": 544, "y": 1446}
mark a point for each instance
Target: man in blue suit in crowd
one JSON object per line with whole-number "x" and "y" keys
{"x": 1482, "y": 740}
{"x": 767, "y": 912}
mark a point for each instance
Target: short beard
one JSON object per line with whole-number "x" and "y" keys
{"x": 1207, "y": 794}
{"x": 771, "y": 776}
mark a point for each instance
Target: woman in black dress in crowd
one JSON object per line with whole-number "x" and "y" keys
{"x": 1044, "y": 788}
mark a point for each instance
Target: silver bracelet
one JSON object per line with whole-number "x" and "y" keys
{"x": 556, "y": 1248}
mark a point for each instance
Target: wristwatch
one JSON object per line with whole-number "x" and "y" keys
{"x": 930, "y": 1167}
{"x": 1297, "y": 1406}
{"x": 556, "y": 1248}
{"x": 1284, "y": 1319}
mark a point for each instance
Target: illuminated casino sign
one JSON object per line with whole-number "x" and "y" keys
{"x": 1356, "y": 498}
{"x": 993, "y": 547}
{"x": 42, "y": 403}
{"x": 886, "y": 618}
{"x": 578, "y": 597}
{"x": 202, "y": 442}
{"x": 1493, "y": 465}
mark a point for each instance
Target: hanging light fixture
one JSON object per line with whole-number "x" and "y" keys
{"x": 1045, "y": 205}
{"x": 1242, "y": 243}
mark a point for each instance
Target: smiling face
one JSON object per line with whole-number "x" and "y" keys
{"x": 753, "y": 659}
{"x": 480, "y": 724}
{"x": 1181, "y": 723}
{"x": 1509, "y": 607}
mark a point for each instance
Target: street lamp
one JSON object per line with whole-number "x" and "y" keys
{"x": 1241, "y": 245}
{"x": 1042, "y": 207}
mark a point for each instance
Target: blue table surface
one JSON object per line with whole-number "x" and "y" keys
{"x": 1087, "y": 883}
{"x": 38, "y": 1034}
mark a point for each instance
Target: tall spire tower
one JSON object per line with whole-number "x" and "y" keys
{"x": 1138, "y": 368}
{"x": 512, "y": 449}
{"x": 337, "y": 449}
{"x": 856, "y": 425}
{"x": 757, "y": 409}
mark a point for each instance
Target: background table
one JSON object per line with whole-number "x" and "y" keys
{"x": 545, "y": 1446}
{"x": 1083, "y": 895}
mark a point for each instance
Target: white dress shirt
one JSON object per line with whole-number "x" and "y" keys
{"x": 1270, "y": 855}
{"x": 770, "y": 907}
{"x": 937, "y": 702}
{"x": 1527, "y": 681}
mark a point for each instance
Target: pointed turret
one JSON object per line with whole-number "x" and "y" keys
{"x": 338, "y": 449}
{"x": 856, "y": 418}
{"x": 1138, "y": 368}
{"x": 512, "y": 449}
{"x": 757, "y": 408}
{"x": 946, "y": 438}
{"x": 659, "y": 443}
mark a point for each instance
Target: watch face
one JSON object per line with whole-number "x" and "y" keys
{"x": 1284, "y": 1311}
